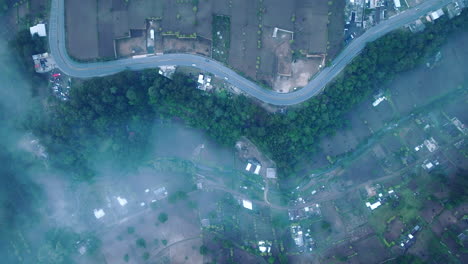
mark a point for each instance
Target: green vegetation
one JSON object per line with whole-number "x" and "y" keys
{"x": 141, "y": 243}
{"x": 177, "y": 196}
{"x": 126, "y": 258}
{"x": 221, "y": 38}
{"x": 203, "y": 250}
{"x": 130, "y": 230}
{"x": 110, "y": 108}
{"x": 162, "y": 217}
{"x": 164, "y": 242}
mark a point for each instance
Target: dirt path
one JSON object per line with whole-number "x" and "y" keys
{"x": 173, "y": 244}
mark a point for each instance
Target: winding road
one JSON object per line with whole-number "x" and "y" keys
{"x": 73, "y": 68}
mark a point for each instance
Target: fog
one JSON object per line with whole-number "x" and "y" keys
{"x": 48, "y": 216}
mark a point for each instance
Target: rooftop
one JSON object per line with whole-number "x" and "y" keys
{"x": 247, "y": 204}
{"x": 38, "y": 29}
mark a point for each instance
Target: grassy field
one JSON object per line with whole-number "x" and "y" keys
{"x": 221, "y": 38}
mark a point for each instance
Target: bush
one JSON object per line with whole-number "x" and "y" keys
{"x": 162, "y": 217}
{"x": 203, "y": 250}
{"x": 141, "y": 243}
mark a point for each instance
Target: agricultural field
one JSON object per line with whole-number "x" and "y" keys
{"x": 82, "y": 29}
{"x": 280, "y": 44}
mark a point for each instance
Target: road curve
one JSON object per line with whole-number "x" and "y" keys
{"x": 57, "y": 43}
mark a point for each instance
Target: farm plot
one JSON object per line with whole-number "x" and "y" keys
{"x": 335, "y": 27}
{"x": 363, "y": 169}
{"x": 106, "y": 29}
{"x": 221, "y": 38}
{"x": 81, "y": 29}
{"x": 311, "y": 19}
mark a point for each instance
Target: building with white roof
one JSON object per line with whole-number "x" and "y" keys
{"x": 247, "y": 204}
{"x": 98, "y": 213}
{"x": 431, "y": 144}
{"x": 378, "y": 101}
{"x": 248, "y": 167}
{"x": 201, "y": 79}
{"x": 122, "y": 201}
{"x": 375, "y": 205}
{"x": 38, "y": 29}
{"x": 257, "y": 169}
{"x": 436, "y": 14}
{"x": 397, "y": 3}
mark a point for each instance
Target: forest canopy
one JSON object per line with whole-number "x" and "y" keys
{"x": 113, "y": 115}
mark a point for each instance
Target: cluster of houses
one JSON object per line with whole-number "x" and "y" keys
{"x": 409, "y": 239}
{"x": 453, "y": 9}
{"x": 264, "y": 246}
{"x": 302, "y": 213}
{"x": 253, "y": 166}
{"x": 380, "y": 200}
{"x": 379, "y": 98}
{"x": 148, "y": 198}
{"x": 42, "y": 62}
{"x": 204, "y": 82}
{"x": 302, "y": 241}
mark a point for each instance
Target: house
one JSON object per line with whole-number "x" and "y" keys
{"x": 38, "y": 29}
{"x": 297, "y": 235}
{"x": 201, "y": 79}
{"x": 122, "y": 201}
{"x": 436, "y": 14}
{"x": 98, "y": 213}
{"x": 152, "y": 34}
{"x": 247, "y": 204}
{"x": 205, "y": 222}
{"x": 204, "y": 83}
{"x": 271, "y": 173}
{"x": 429, "y": 165}
{"x": 378, "y": 101}
{"x": 257, "y": 169}
{"x": 248, "y": 167}
{"x": 264, "y": 246}
{"x": 417, "y": 26}
{"x": 43, "y": 62}
{"x": 374, "y": 205}
{"x": 459, "y": 125}
{"x": 397, "y": 3}
{"x": 454, "y": 9}
{"x": 431, "y": 144}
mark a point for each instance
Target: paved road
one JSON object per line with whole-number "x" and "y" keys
{"x": 95, "y": 69}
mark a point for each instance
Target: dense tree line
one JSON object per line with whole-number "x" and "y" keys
{"x": 25, "y": 46}
{"x": 120, "y": 108}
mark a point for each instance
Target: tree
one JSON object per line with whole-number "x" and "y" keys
{"x": 203, "y": 250}
{"x": 162, "y": 217}
{"x": 141, "y": 243}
